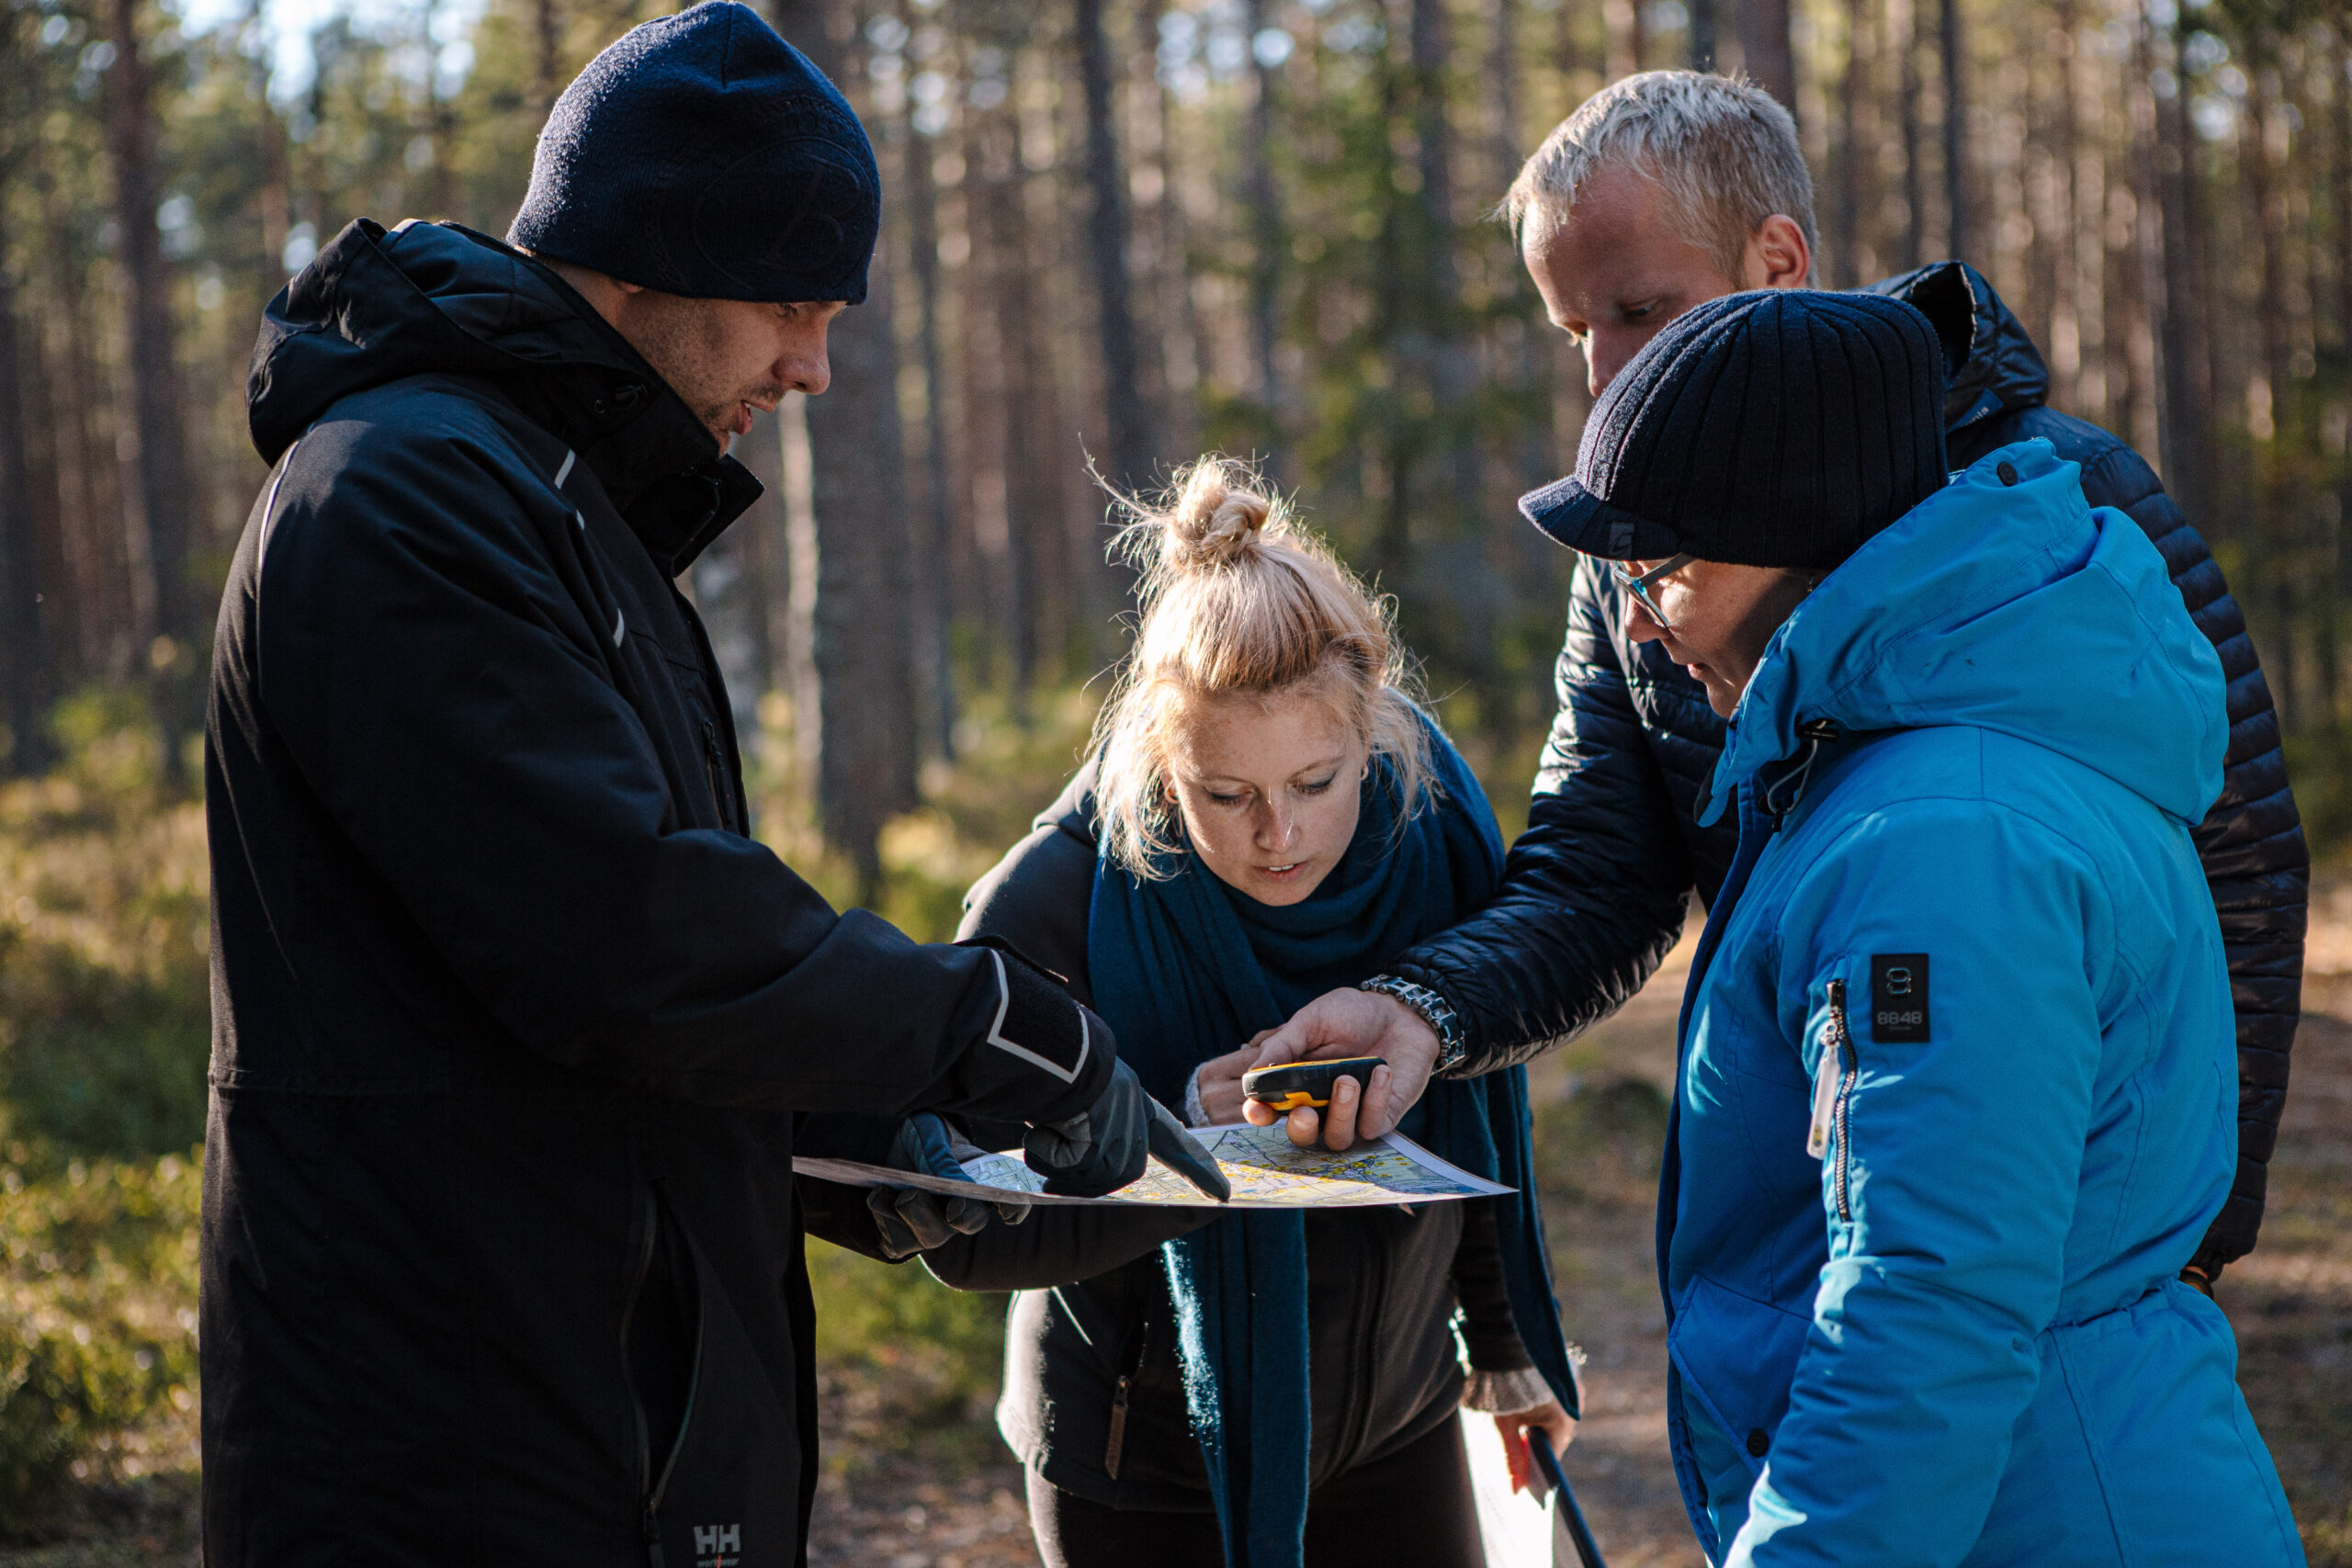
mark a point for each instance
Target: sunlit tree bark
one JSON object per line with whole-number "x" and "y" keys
{"x": 1128, "y": 461}
{"x": 172, "y": 652}
{"x": 858, "y": 639}
{"x": 24, "y": 615}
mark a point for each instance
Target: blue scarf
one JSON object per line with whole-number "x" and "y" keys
{"x": 1185, "y": 968}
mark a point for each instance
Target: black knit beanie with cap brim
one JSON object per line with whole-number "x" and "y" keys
{"x": 703, "y": 155}
{"x": 1779, "y": 428}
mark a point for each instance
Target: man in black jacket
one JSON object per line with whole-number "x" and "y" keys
{"x": 514, "y": 1030}
{"x": 1663, "y": 191}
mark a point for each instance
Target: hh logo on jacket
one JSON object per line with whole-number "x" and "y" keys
{"x": 713, "y": 1543}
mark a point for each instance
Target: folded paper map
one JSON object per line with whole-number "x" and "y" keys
{"x": 1266, "y": 1172}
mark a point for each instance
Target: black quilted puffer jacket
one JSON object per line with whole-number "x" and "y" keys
{"x": 1594, "y": 891}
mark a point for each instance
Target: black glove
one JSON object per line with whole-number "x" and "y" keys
{"x": 1101, "y": 1151}
{"x": 913, "y": 1220}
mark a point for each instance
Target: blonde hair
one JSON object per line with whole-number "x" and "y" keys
{"x": 1725, "y": 152}
{"x": 1238, "y": 600}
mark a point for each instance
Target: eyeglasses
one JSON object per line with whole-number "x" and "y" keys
{"x": 1639, "y": 587}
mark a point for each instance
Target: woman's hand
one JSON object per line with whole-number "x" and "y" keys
{"x": 1220, "y": 1082}
{"x": 1546, "y": 1423}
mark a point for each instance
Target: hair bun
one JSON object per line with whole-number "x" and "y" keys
{"x": 1214, "y": 520}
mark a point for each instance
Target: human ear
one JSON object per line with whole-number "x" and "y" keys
{"x": 1778, "y": 256}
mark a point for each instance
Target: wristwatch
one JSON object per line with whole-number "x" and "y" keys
{"x": 1433, "y": 1011}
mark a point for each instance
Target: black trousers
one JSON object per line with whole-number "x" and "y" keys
{"x": 1413, "y": 1509}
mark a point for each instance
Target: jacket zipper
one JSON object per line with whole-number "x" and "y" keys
{"x": 1850, "y": 1069}
{"x": 1117, "y": 1442}
{"x": 661, "y": 1483}
{"x": 711, "y": 768}
{"x": 678, "y": 1447}
{"x": 636, "y": 1408}
{"x": 1115, "y": 1445}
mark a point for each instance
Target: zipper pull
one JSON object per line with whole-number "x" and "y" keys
{"x": 1827, "y": 1071}
{"x": 713, "y": 768}
{"x": 1118, "y": 1439}
{"x": 1849, "y": 1073}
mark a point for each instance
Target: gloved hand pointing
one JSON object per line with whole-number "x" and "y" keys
{"x": 1107, "y": 1147}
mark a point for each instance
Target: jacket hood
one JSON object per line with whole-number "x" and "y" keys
{"x": 2008, "y": 606}
{"x": 1990, "y": 363}
{"x": 379, "y": 305}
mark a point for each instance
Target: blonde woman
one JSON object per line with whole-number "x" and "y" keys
{"x": 1266, "y": 815}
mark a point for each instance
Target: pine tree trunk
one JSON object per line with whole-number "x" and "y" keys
{"x": 1185, "y": 358}
{"x": 1628, "y": 38}
{"x": 1446, "y": 364}
{"x": 2187, "y": 427}
{"x": 89, "y": 481}
{"x": 857, "y": 639}
{"x": 1703, "y": 35}
{"x": 1959, "y": 233}
{"x": 1266, "y": 245}
{"x": 2067, "y": 242}
{"x": 164, "y": 495}
{"x": 1845, "y": 269}
{"x": 2335, "y": 577}
{"x": 546, "y": 54}
{"x": 1915, "y": 180}
{"x": 1764, "y": 48}
{"x": 24, "y": 615}
{"x": 2265, "y": 207}
{"x": 1126, "y": 413}
{"x": 933, "y": 655}
{"x": 1013, "y": 403}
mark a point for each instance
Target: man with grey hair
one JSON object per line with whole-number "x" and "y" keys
{"x": 1682, "y": 187}
{"x": 1662, "y": 191}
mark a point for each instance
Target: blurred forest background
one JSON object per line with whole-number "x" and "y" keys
{"x": 1118, "y": 233}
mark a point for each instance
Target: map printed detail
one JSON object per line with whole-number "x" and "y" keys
{"x": 1266, "y": 1171}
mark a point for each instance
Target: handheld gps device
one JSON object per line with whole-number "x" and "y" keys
{"x": 1290, "y": 1085}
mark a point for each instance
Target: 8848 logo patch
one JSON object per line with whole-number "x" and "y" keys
{"x": 1898, "y": 998}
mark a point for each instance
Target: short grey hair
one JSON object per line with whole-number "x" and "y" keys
{"x": 1725, "y": 151}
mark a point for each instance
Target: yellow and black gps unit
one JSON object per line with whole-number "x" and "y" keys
{"x": 1290, "y": 1085}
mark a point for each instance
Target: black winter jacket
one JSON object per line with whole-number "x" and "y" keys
{"x": 1094, "y": 1392}
{"x": 514, "y": 1030}
{"x": 1593, "y": 893}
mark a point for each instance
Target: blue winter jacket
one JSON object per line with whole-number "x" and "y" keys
{"x": 1956, "y": 1091}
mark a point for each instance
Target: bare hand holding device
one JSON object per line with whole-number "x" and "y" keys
{"x": 1353, "y": 1023}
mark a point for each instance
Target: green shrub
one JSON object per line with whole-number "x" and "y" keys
{"x": 105, "y": 1002}
{"x": 98, "y": 1324}
{"x": 941, "y": 1349}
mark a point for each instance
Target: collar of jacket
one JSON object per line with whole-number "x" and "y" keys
{"x": 378, "y": 305}
{"x": 1990, "y": 363}
{"x": 2002, "y": 603}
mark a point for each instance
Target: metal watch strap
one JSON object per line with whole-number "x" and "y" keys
{"x": 1433, "y": 1011}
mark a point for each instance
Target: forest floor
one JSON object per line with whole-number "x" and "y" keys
{"x": 914, "y": 1478}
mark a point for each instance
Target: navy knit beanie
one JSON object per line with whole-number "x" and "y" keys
{"x": 1777, "y": 428}
{"x": 703, "y": 155}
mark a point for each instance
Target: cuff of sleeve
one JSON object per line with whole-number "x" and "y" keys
{"x": 1434, "y": 1009}
{"x": 1195, "y": 1113}
{"x": 1506, "y": 1394}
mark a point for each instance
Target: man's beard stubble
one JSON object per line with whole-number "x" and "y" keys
{"x": 678, "y": 342}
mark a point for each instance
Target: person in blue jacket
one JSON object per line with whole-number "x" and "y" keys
{"x": 1955, "y": 1090}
